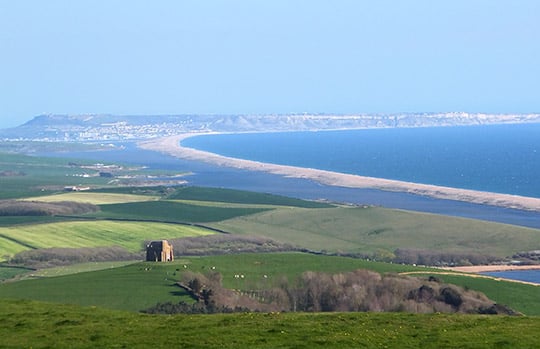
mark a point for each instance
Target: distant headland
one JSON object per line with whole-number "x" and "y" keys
{"x": 104, "y": 127}
{"x": 164, "y": 132}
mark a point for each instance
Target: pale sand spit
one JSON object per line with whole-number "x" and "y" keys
{"x": 171, "y": 145}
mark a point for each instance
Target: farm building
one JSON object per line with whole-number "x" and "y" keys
{"x": 159, "y": 251}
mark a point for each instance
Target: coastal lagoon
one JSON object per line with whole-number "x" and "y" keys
{"x": 202, "y": 173}
{"x": 495, "y": 158}
{"x": 521, "y": 275}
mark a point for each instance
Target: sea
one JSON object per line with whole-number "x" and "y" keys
{"x": 496, "y": 158}
{"x": 521, "y": 275}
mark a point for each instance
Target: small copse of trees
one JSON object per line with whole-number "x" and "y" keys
{"x": 51, "y": 257}
{"x": 360, "y": 290}
{"x": 36, "y": 208}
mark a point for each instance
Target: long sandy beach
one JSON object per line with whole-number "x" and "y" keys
{"x": 171, "y": 145}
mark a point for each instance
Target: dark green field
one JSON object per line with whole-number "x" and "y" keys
{"x": 240, "y": 197}
{"x": 171, "y": 211}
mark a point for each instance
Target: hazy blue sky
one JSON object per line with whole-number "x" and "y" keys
{"x": 174, "y": 57}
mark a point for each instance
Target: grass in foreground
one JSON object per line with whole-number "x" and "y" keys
{"x": 28, "y": 324}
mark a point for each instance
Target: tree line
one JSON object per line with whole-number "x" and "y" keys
{"x": 360, "y": 290}
{"x": 38, "y": 208}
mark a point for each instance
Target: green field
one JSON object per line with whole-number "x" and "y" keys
{"x": 138, "y": 286}
{"x": 40, "y": 325}
{"x": 172, "y": 211}
{"x": 357, "y": 229}
{"x": 95, "y": 198}
{"x": 240, "y": 197}
{"x": 37, "y": 176}
{"x": 74, "y": 234}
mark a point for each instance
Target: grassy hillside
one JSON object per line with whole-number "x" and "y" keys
{"x": 138, "y": 286}
{"x": 312, "y": 225}
{"x": 240, "y": 197}
{"x": 171, "y": 211}
{"x": 40, "y": 325}
{"x": 95, "y": 198}
{"x": 129, "y": 235}
{"x": 356, "y": 229}
{"x": 27, "y": 176}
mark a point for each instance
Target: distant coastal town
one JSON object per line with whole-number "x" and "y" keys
{"x": 111, "y": 128}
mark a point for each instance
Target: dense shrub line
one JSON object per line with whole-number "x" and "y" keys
{"x": 51, "y": 257}
{"x": 193, "y": 308}
{"x": 218, "y": 244}
{"x": 438, "y": 258}
{"x": 36, "y": 208}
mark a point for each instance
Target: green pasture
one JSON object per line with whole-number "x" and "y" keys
{"x": 133, "y": 287}
{"x": 30, "y": 324}
{"x": 172, "y": 211}
{"x": 94, "y": 198}
{"x": 29, "y": 147}
{"x": 7, "y": 272}
{"x": 138, "y": 286}
{"x": 364, "y": 230}
{"x": 8, "y": 247}
{"x": 38, "y": 176}
{"x": 9, "y": 221}
{"x": 78, "y": 268}
{"x": 74, "y": 234}
{"x": 158, "y": 191}
{"x": 240, "y": 197}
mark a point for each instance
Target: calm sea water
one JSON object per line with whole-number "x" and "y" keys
{"x": 209, "y": 175}
{"x": 496, "y": 158}
{"x": 522, "y": 275}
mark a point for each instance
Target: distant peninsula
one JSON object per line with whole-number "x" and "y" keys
{"x": 164, "y": 132}
{"x": 104, "y": 127}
